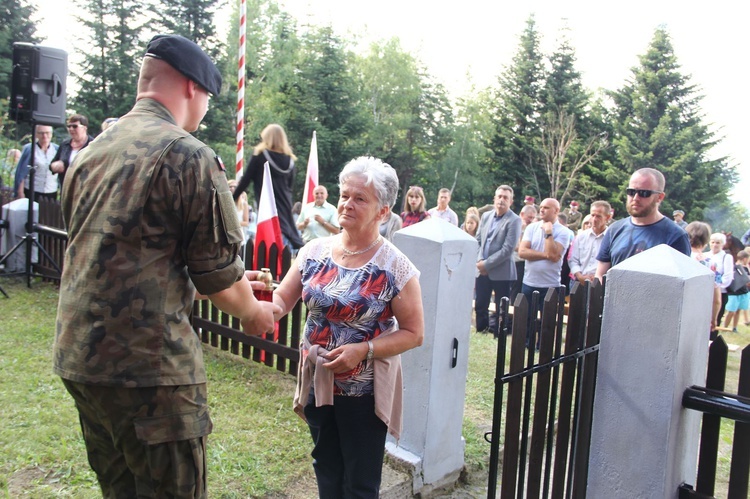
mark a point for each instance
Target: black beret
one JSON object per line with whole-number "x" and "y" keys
{"x": 187, "y": 58}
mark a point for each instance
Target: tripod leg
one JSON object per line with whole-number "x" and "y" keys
{"x": 49, "y": 257}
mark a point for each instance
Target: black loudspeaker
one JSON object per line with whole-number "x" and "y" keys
{"x": 38, "y": 84}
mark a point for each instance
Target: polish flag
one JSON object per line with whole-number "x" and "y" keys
{"x": 311, "y": 179}
{"x": 269, "y": 230}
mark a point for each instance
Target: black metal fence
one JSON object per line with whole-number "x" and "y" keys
{"x": 716, "y": 404}
{"x": 550, "y": 395}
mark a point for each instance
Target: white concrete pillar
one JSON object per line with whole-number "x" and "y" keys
{"x": 654, "y": 344}
{"x": 434, "y": 388}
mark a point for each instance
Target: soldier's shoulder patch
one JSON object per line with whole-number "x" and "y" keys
{"x": 220, "y": 163}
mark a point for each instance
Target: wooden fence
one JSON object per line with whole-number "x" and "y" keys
{"x": 547, "y": 423}
{"x": 546, "y": 444}
{"x": 279, "y": 349}
{"x": 220, "y": 330}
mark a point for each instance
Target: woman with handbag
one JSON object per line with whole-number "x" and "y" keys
{"x": 722, "y": 265}
{"x": 738, "y": 292}
{"x": 699, "y": 234}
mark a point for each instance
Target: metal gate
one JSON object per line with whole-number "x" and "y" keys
{"x": 549, "y": 383}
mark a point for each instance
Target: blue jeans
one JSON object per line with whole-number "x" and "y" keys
{"x": 349, "y": 445}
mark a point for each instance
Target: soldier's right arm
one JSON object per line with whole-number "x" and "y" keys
{"x": 256, "y": 317}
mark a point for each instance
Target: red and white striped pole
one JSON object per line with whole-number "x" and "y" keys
{"x": 240, "y": 157}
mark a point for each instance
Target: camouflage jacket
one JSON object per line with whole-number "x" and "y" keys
{"x": 150, "y": 218}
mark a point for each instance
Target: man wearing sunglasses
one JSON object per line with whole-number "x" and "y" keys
{"x": 645, "y": 228}
{"x": 78, "y": 126}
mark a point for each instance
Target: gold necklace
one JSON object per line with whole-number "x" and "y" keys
{"x": 353, "y": 253}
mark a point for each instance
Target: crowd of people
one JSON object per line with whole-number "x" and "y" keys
{"x": 154, "y": 224}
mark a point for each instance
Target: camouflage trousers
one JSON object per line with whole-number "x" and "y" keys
{"x": 145, "y": 442}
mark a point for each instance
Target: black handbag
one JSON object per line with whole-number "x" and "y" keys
{"x": 738, "y": 286}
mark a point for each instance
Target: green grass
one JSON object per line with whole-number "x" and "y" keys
{"x": 259, "y": 447}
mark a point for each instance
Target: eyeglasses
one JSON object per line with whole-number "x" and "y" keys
{"x": 73, "y": 126}
{"x": 644, "y": 193}
{"x": 415, "y": 187}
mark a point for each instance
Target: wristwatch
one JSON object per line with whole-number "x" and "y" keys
{"x": 370, "y": 351}
{"x": 547, "y": 235}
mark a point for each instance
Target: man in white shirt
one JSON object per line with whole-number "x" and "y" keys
{"x": 45, "y": 182}
{"x": 442, "y": 210}
{"x": 582, "y": 259}
{"x": 319, "y": 218}
{"x": 543, "y": 245}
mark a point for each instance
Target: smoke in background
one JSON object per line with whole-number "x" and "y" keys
{"x": 733, "y": 218}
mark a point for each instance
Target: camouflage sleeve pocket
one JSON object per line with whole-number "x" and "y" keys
{"x": 226, "y": 217}
{"x": 173, "y": 427}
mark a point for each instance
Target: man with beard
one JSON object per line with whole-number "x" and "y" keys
{"x": 645, "y": 228}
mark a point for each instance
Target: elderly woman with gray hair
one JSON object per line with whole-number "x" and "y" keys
{"x": 365, "y": 309}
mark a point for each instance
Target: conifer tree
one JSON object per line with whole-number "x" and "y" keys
{"x": 571, "y": 144}
{"x": 325, "y": 98}
{"x": 516, "y": 144}
{"x": 16, "y": 25}
{"x": 109, "y": 72}
{"x": 193, "y": 19}
{"x": 659, "y": 124}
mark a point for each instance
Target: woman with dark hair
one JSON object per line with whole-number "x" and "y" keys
{"x": 699, "y": 233}
{"x": 274, "y": 148}
{"x": 78, "y": 126}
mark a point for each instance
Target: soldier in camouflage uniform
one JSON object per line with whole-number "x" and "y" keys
{"x": 150, "y": 220}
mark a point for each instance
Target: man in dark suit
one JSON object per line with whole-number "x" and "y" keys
{"x": 498, "y": 234}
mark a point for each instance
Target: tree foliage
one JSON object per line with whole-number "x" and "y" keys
{"x": 193, "y": 19}
{"x": 325, "y": 98}
{"x": 109, "y": 72}
{"x": 517, "y": 159}
{"x": 16, "y": 25}
{"x": 659, "y": 124}
{"x": 565, "y": 153}
{"x": 538, "y": 129}
{"x": 409, "y": 116}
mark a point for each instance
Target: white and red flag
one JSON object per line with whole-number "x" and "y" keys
{"x": 311, "y": 178}
{"x": 269, "y": 230}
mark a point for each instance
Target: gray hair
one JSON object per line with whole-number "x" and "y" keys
{"x": 719, "y": 237}
{"x": 505, "y": 187}
{"x": 380, "y": 175}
